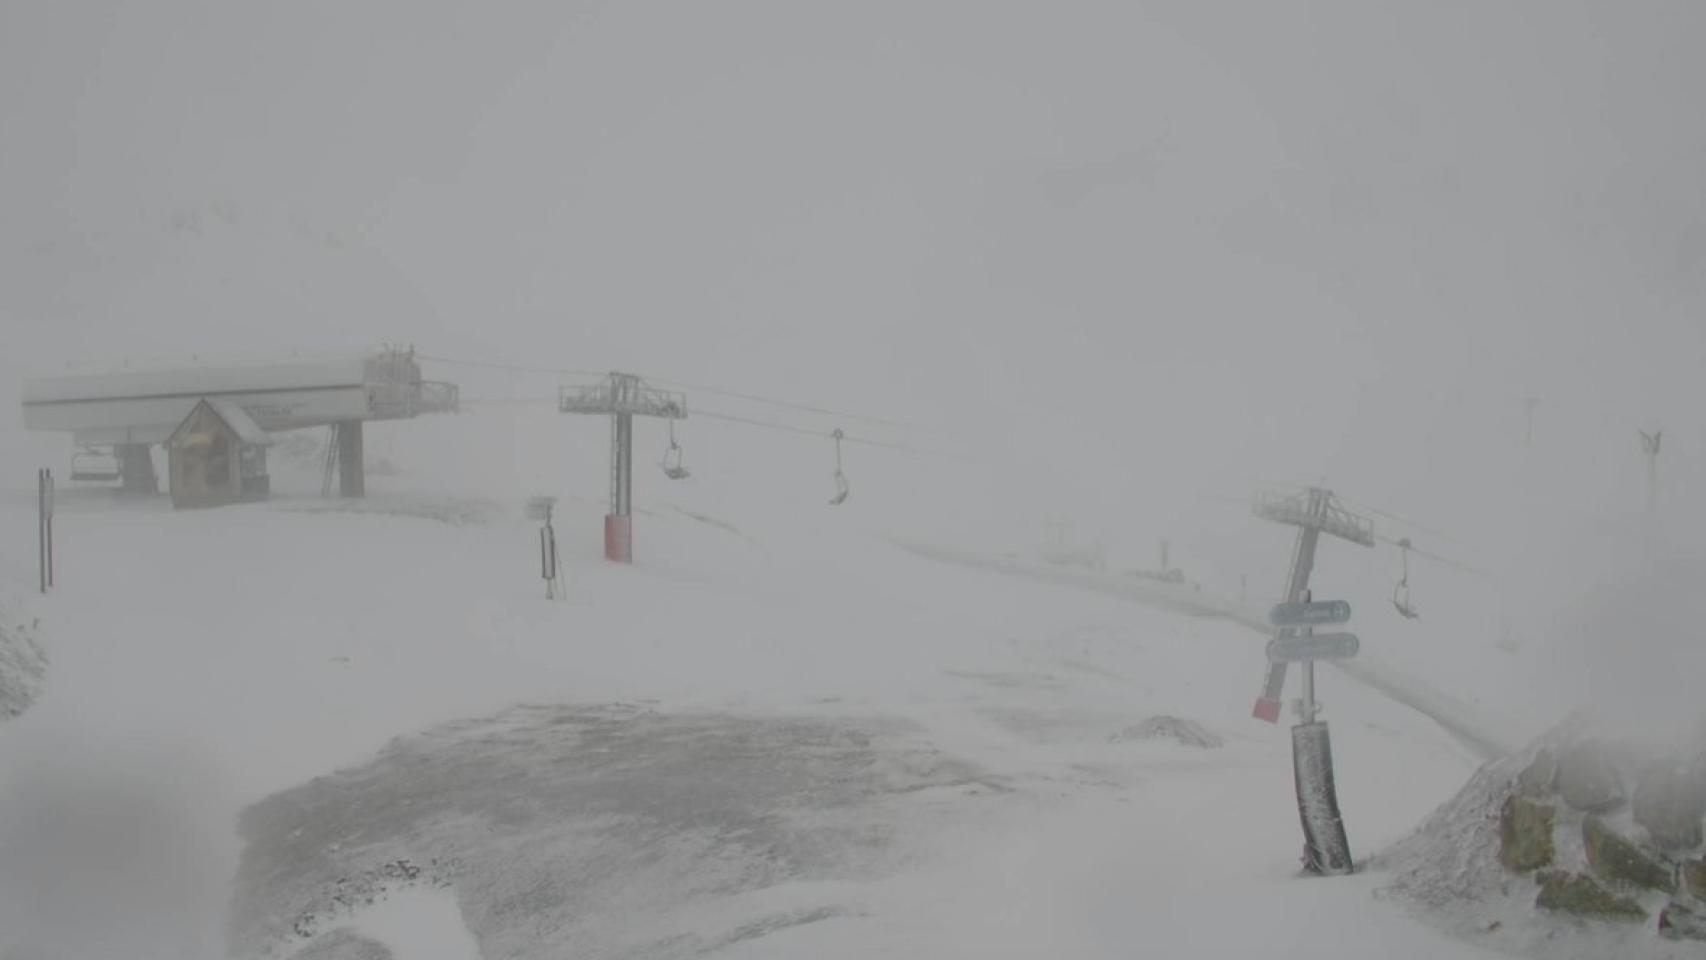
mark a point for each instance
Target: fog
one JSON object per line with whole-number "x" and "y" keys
{"x": 1123, "y": 256}
{"x": 1117, "y": 264}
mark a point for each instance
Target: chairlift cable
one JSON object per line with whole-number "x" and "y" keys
{"x": 517, "y": 367}
{"x": 803, "y": 431}
{"x": 749, "y": 421}
{"x": 678, "y": 384}
{"x": 785, "y": 404}
{"x": 1437, "y": 558}
{"x": 1430, "y": 531}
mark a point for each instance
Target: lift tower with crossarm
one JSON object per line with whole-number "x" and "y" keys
{"x": 1313, "y": 512}
{"x": 621, "y": 396}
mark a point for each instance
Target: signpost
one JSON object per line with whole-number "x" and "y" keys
{"x": 1313, "y": 512}
{"x": 540, "y": 508}
{"x": 1310, "y": 614}
{"x": 1297, "y": 648}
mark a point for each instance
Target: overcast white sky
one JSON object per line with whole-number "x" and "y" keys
{"x": 1191, "y": 246}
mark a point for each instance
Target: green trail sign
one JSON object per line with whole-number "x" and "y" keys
{"x": 1309, "y": 614}
{"x": 1289, "y": 648}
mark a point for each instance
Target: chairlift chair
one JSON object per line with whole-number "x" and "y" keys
{"x": 671, "y": 463}
{"x": 841, "y": 488}
{"x": 89, "y": 465}
{"x": 1401, "y": 590}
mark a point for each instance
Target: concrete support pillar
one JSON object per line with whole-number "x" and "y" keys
{"x": 136, "y": 469}
{"x": 352, "y": 470}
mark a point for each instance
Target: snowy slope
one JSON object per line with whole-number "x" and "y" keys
{"x": 204, "y": 661}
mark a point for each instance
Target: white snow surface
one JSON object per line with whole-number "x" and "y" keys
{"x": 204, "y": 662}
{"x": 23, "y": 665}
{"x": 420, "y": 925}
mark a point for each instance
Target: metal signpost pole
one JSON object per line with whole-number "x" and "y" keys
{"x": 1306, "y": 711}
{"x": 1326, "y": 850}
{"x": 1302, "y": 564}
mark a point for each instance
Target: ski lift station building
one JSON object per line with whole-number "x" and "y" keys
{"x": 130, "y": 411}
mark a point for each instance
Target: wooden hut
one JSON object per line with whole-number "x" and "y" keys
{"x": 217, "y": 455}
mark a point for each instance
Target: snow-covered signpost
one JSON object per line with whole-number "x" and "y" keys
{"x": 1315, "y": 511}
{"x": 1310, "y": 647}
{"x": 540, "y": 508}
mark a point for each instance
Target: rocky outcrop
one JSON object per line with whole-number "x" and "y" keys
{"x": 1694, "y": 877}
{"x": 1582, "y": 896}
{"x": 1639, "y": 864}
{"x": 1188, "y": 733}
{"x": 1680, "y": 921}
{"x": 1588, "y": 779}
{"x": 1670, "y": 803}
{"x": 1615, "y": 859}
{"x": 1537, "y": 778}
{"x": 1525, "y": 834}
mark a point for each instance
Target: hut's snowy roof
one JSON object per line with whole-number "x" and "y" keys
{"x": 241, "y": 423}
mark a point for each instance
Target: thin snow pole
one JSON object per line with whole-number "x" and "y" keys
{"x": 50, "y": 492}
{"x": 41, "y": 526}
{"x": 548, "y": 568}
{"x": 44, "y": 526}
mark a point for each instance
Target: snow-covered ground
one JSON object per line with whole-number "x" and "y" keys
{"x": 23, "y": 665}
{"x": 809, "y": 742}
{"x": 1115, "y": 266}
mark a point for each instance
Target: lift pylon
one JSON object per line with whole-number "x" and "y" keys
{"x": 1313, "y": 512}
{"x": 622, "y": 397}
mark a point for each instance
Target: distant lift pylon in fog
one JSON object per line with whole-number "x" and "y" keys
{"x": 841, "y": 489}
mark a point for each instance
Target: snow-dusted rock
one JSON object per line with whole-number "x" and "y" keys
{"x": 1670, "y": 802}
{"x": 1188, "y": 733}
{"x": 1619, "y": 860}
{"x": 1573, "y": 893}
{"x": 1525, "y": 834}
{"x": 1538, "y": 778}
{"x": 1679, "y": 921}
{"x": 1588, "y": 779}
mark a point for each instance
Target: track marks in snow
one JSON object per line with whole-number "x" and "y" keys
{"x": 610, "y": 830}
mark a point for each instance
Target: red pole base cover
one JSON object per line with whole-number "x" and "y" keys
{"x": 618, "y": 538}
{"x": 1266, "y": 709}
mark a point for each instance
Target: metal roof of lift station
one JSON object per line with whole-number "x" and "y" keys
{"x": 143, "y": 406}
